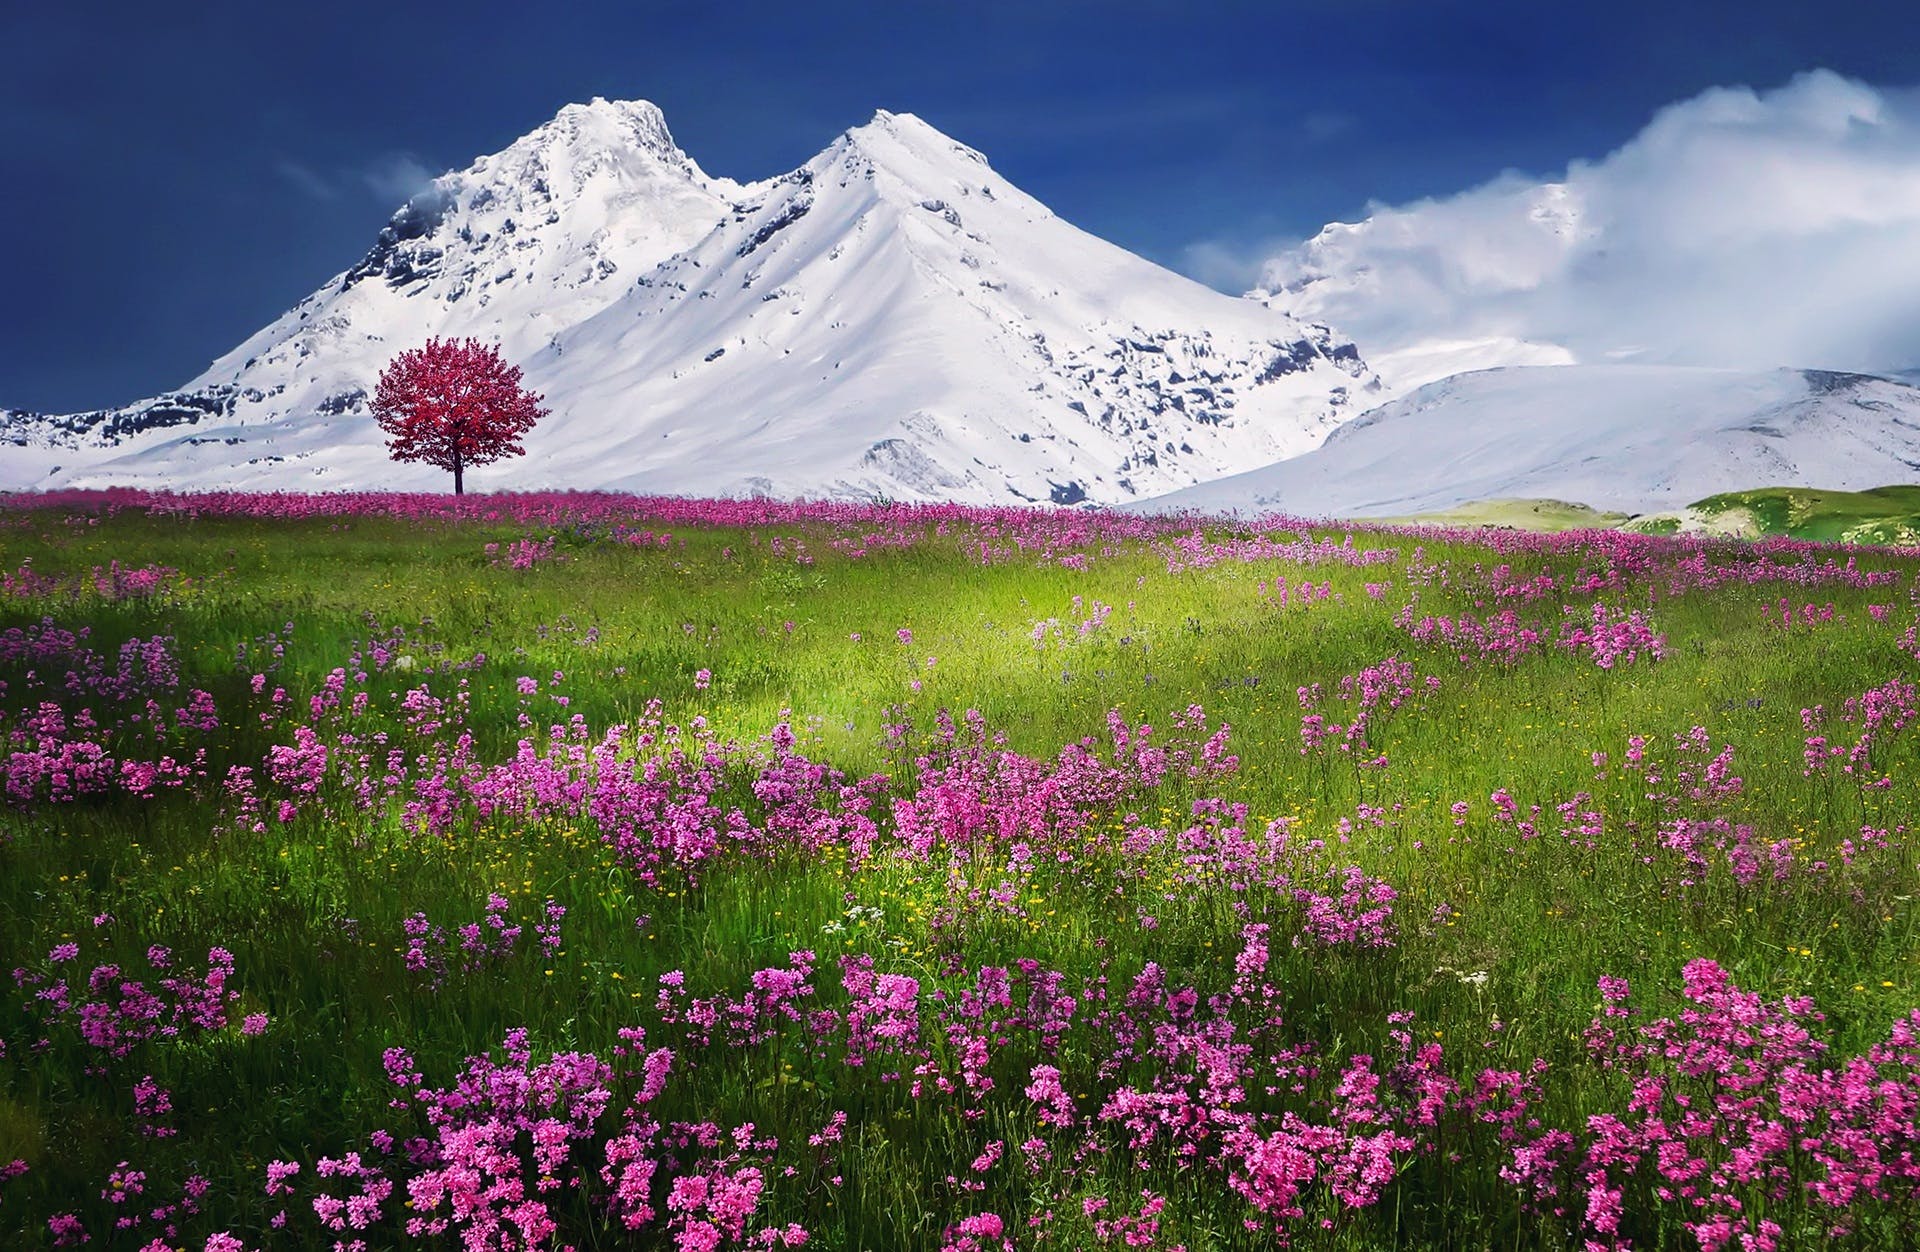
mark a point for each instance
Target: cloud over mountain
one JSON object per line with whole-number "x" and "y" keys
{"x": 1739, "y": 228}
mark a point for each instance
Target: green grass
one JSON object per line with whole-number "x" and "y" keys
{"x": 313, "y": 908}
{"x": 1883, "y": 515}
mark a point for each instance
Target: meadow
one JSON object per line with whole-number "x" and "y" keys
{"x": 592, "y": 872}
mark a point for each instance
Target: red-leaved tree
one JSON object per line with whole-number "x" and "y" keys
{"x": 454, "y": 403}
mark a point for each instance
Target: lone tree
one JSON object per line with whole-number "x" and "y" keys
{"x": 454, "y": 403}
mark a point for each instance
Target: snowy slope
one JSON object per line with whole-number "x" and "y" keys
{"x": 891, "y": 319}
{"x": 1629, "y": 438}
{"x": 896, "y": 319}
{"x": 513, "y": 249}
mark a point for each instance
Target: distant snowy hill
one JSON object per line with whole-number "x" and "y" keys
{"x": 891, "y": 319}
{"x": 1635, "y": 439}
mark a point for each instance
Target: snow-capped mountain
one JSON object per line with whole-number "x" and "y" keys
{"x": 1630, "y": 438}
{"x": 893, "y": 318}
{"x": 514, "y": 249}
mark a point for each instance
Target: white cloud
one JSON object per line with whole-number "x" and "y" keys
{"x": 1738, "y": 228}
{"x": 392, "y": 178}
{"x": 1226, "y": 264}
{"x": 396, "y": 177}
{"x": 305, "y": 180}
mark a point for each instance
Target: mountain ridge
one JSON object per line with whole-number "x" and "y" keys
{"x": 973, "y": 345}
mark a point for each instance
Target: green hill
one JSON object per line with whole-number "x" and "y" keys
{"x": 1888, "y": 516}
{"x": 1517, "y": 514}
{"x": 1883, "y": 515}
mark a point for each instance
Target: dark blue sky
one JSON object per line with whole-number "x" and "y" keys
{"x": 170, "y": 181}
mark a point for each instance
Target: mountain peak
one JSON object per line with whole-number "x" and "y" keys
{"x": 891, "y": 135}
{"x": 598, "y": 189}
{"x": 615, "y": 124}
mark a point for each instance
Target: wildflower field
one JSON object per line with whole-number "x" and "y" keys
{"x": 590, "y": 872}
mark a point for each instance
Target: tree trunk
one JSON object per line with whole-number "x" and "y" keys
{"x": 457, "y": 490}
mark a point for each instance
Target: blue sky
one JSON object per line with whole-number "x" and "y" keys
{"x": 173, "y": 180}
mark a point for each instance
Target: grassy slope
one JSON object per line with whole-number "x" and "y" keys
{"x": 1541, "y": 515}
{"x": 1884, "y": 515}
{"x": 1888, "y": 516}
{"x": 313, "y": 911}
